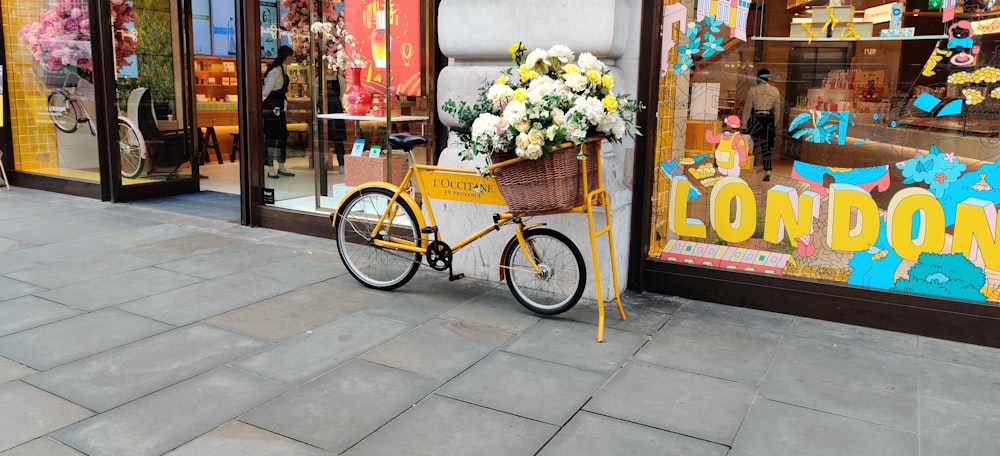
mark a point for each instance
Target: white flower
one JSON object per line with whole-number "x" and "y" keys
{"x": 561, "y": 53}
{"x": 588, "y": 62}
{"x": 591, "y": 108}
{"x": 558, "y": 117}
{"x": 540, "y": 87}
{"x": 536, "y": 59}
{"x": 612, "y": 125}
{"x": 321, "y": 27}
{"x": 498, "y": 94}
{"x": 576, "y": 82}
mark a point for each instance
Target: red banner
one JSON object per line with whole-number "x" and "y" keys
{"x": 367, "y": 22}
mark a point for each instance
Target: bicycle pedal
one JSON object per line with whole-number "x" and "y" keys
{"x": 454, "y": 277}
{"x": 429, "y": 229}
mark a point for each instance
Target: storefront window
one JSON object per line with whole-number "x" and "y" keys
{"x": 336, "y": 96}
{"x": 51, "y": 75}
{"x": 882, "y": 169}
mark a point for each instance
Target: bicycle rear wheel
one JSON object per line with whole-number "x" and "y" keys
{"x": 63, "y": 111}
{"x": 558, "y": 285}
{"x": 377, "y": 267}
{"x": 130, "y": 148}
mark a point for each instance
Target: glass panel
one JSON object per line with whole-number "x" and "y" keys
{"x": 150, "y": 96}
{"x": 868, "y": 165}
{"x": 349, "y": 56}
{"x": 49, "y": 68}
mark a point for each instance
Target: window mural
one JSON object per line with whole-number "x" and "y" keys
{"x": 879, "y": 180}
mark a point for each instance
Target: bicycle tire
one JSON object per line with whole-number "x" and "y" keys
{"x": 63, "y": 112}
{"x": 560, "y": 284}
{"x": 130, "y": 148}
{"x": 376, "y": 267}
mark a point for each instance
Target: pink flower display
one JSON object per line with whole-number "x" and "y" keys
{"x": 61, "y": 35}
{"x": 297, "y": 22}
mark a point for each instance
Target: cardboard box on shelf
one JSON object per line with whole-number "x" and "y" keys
{"x": 361, "y": 169}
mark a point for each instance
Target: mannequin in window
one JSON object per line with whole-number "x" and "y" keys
{"x": 762, "y": 116}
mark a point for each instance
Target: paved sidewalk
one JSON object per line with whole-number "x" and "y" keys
{"x": 126, "y": 329}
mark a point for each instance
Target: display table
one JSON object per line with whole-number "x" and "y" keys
{"x": 380, "y": 120}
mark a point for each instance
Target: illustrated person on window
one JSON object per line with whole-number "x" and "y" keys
{"x": 275, "y": 103}
{"x": 762, "y": 116}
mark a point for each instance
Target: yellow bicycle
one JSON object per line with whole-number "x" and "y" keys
{"x": 382, "y": 235}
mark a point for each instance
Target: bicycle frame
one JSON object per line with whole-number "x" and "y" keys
{"x": 442, "y": 183}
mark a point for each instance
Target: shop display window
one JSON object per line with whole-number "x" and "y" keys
{"x": 51, "y": 74}
{"x": 344, "y": 80}
{"x": 884, "y": 166}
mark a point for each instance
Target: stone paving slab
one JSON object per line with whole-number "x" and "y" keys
{"x": 233, "y": 258}
{"x": 70, "y": 272}
{"x": 438, "y": 426}
{"x": 305, "y": 357}
{"x": 43, "y": 446}
{"x": 13, "y": 370}
{"x": 164, "y": 420}
{"x": 341, "y": 407}
{"x": 10, "y": 263}
{"x": 30, "y": 311}
{"x": 240, "y": 439}
{"x": 588, "y": 433}
{"x": 958, "y": 429}
{"x": 29, "y": 413}
{"x": 305, "y": 268}
{"x": 495, "y": 308}
{"x": 777, "y": 429}
{"x": 119, "y": 288}
{"x": 694, "y": 405}
{"x": 112, "y": 378}
{"x": 71, "y": 250}
{"x": 960, "y": 384}
{"x": 575, "y": 344}
{"x": 422, "y": 350}
{"x": 736, "y": 316}
{"x": 738, "y": 353}
{"x": 68, "y": 340}
{"x": 959, "y": 353}
{"x": 291, "y": 314}
{"x": 839, "y": 333}
{"x": 527, "y": 387}
{"x": 197, "y": 243}
{"x": 869, "y": 385}
{"x": 10, "y": 288}
{"x": 205, "y": 299}
{"x": 426, "y": 296}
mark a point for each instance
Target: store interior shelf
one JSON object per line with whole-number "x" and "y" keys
{"x": 865, "y": 38}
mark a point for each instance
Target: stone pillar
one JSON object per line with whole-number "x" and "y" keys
{"x": 475, "y": 36}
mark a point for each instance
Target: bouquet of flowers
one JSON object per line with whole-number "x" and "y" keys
{"x": 61, "y": 36}
{"x": 553, "y": 98}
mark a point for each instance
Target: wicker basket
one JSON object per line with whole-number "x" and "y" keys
{"x": 56, "y": 79}
{"x": 551, "y": 184}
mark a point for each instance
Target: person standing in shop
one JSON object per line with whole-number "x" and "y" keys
{"x": 762, "y": 112}
{"x": 275, "y": 104}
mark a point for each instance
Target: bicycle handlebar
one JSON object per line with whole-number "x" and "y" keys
{"x": 461, "y": 130}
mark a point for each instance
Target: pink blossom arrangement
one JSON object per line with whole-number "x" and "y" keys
{"x": 296, "y": 22}
{"x": 61, "y": 36}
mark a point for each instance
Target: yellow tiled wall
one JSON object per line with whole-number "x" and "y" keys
{"x": 34, "y": 137}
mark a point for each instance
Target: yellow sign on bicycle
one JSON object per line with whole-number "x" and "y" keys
{"x": 459, "y": 186}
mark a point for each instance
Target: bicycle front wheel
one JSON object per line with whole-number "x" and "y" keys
{"x": 63, "y": 111}
{"x": 377, "y": 267}
{"x": 130, "y": 148}
{"x": 557, "y": 284}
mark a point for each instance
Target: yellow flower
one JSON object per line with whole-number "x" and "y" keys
{"x": 571, "y": 68}
{"x": 608, "y": 82}
{"x": 527, "y": 73}
{"x": 502, "y": 80}
{"x": 610, "y": 103}
{"x": 594, "y": 76}
{"x": 520, "y": 95}
{"x": 514, "y": 48}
